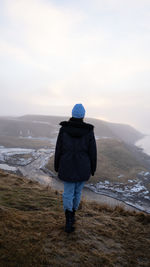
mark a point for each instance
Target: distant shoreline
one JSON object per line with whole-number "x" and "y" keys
{"x": 144, "y": 144}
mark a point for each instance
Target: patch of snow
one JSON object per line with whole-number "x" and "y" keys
{"x": 7, "y": 167}
{"x": 15, "y": 151}
{"x": 15, "y": 156}
{"x": 137, "y": 188}
{"x": 119, "y": 190}
{"x": 120, "y": 176}
{"x": 100, "y": 186}
{"x": 141, "y": 173}
{"x": 146, "y": 192}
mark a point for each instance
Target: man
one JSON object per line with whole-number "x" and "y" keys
{"x": 75, "y": 160}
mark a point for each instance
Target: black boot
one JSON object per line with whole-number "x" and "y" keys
{"x": 73, "y": 216}
{"x": 68, "y": 227}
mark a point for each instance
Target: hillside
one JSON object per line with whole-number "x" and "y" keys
{"x": 114, "y": 157}
{"x": 38, "y": 126}
{"x": 116, "y": 130}
{"x": 32, "y": 230}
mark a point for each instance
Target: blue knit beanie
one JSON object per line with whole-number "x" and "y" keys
{"x": 78, "y": 111}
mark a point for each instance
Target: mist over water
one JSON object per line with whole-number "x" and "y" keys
{"x": 144, "y": 143}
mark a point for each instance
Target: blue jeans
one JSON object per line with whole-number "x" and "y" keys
{"x": 72, "y": 195}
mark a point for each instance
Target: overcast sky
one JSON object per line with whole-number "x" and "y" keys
{"x": 54, "y": 54}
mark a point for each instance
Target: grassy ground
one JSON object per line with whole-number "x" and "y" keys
{"x": 10, "y": 141}
{"x": 113, "y": 158}
{"x": 32, "y": 230}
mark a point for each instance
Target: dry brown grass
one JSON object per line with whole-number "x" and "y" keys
{"x": 11, "y": 141}
{"x": 114, "y": 158}
{"x": 32, "y": 230}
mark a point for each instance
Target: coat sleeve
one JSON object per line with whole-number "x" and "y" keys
{"x": 58, "y": 151}
{"x": 92, "y": 153}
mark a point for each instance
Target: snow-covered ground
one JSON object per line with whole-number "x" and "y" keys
{"x": 11, "y": 159}
{"x": 134, "y": 191}
{"x": 6, "y": 167}
{"x": 17, "y": 156}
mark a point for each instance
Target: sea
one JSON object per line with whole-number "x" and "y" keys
{"x": 144, "y": 143}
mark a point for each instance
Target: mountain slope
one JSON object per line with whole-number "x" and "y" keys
{"x": 47, "y": 127}
{"x": 32, "y": 230}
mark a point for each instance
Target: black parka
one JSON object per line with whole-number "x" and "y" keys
{"x": 75, "y": 153}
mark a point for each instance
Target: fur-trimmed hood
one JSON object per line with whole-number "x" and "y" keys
{"x": 76, "y": 127}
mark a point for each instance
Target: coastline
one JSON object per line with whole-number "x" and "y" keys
{"x": 144, "y": 144}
